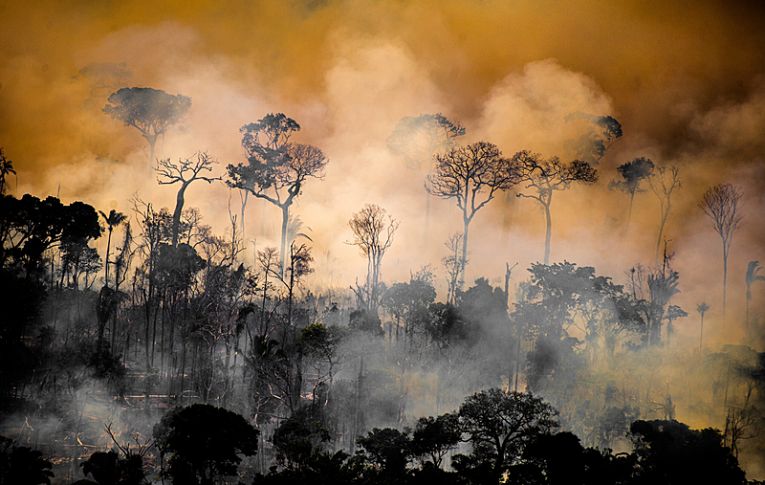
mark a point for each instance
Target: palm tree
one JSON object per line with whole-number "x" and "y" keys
{"x": 702, "y": 308}
{"x": 6, "y": 168}
{"x": 751, "y": 276}
{"x": 112, "y": 220}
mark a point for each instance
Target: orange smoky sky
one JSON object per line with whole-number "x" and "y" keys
{"x": 684, "y": 78}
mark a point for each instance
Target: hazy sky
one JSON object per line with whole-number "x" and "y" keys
{"x": 685, "y": 79}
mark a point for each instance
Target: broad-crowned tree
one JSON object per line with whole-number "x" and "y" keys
{"x": 148, "y": 110}
{"x": 542, "y": 178}
{"x": 471, "y": 175}
{"x": 276, "y": 168}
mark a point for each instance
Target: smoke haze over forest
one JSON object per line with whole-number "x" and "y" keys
{"x": 685, "y": 80}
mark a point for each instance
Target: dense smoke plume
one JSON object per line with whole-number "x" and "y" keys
{"x": 687, "y": 85}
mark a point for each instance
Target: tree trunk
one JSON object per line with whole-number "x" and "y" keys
{"x": 701, "y": 333}
{"x": 548, "y": 230}
{"x": 463, "y": 264}
{"x": 629, "y": 211}
{"x": 152, "y": 139}
{"x": 664, "y": 216}
{"x": 725, "y": 279}
{"x": 179, "y": 201}
{"x": 283, "y": 247}
{"x": 106, "y": 262}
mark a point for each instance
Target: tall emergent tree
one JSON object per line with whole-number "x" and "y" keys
{"x": 544, "y": 177}
{"x": 632, "y": 174}
{"x": 276, "y": 168}
{"x": 113, "y": 219}
{"x": 471, "y": 175}
{"x": 373, "y": 231}
{"x": 663, "y": 183}
{"x": 185, "y": 172}
{"x": 720, "y": 203}
{"x": 751, "y": 276}
{"x": 148, "y": 110}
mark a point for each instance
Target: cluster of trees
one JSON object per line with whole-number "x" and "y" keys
{"x": 495, "y": 437}
{"x": 324, "y": 386}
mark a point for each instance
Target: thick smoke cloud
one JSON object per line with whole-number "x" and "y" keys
{"x": 687, "y": 86}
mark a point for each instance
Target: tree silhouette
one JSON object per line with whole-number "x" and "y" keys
{"x": 501, "y": 424}
{"x": 148, "y": 110}
{"x": 593, "y": 146}
{"x": 751, "y": 277}
{"x": 20, "y": 465}
{"x": 471, "y": 175}
{"x": 30, "y": 226}
{"x": 720, "y": 204}
{"x": 632, "y": 173}
{"x": 185, "y": 172}
{"x": 702, "y": 308}
{"x": 6, "y": 168}
{"x": 544, "y": 177}
{"x": 373, "y": 230}
{"x": 113, "y": 219}
{"x": 433, "y": 437}
{"x": 202, "y": 443}
{"x": 276, "y": 168}
{"x": 668, "y": 452}
{"x": 663, "y": 183}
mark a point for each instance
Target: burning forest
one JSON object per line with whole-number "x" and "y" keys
{"x": 382, "y": 242}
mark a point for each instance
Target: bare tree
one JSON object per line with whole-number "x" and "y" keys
{"x": 373, "y": 231}
{"x": 453, "y": 264}
{"x": 471, "y": 175}
{"x": 276, "y": 169}
{"x": 664, "y": 181}
{"x": 720, "y": 203}
{"x": 544, "y": 177}
{"x": 185, "y": 172}
{"x": 150, "y": 111}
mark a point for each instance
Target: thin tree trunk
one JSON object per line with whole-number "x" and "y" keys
{"x": 179, "y": 201}
{"x": 106, "y": 263}
{"x": 725, "y": 279}
{"x": 701, "y": 333}
{"x": 285, "y": 220}
{"x": 465, "y": 234}
{"x": 548, "y": 230}
{"x": 629, "y": 211}
{"x": 152, "y": 145}
{"x": 664, "y": 216}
